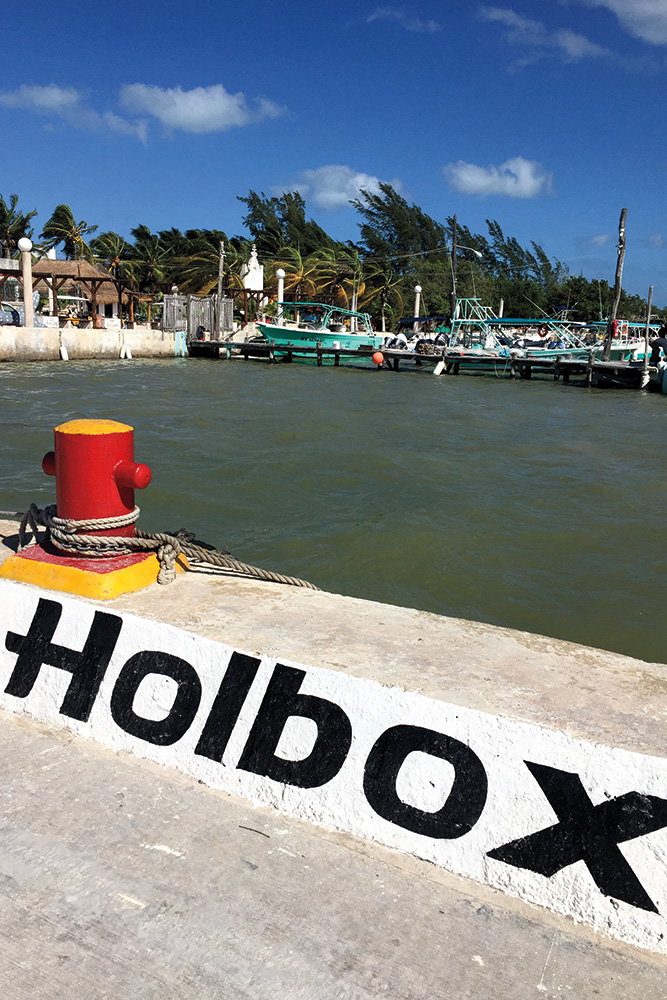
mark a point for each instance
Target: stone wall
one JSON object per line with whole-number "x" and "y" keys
{"x": 42, "y": 344}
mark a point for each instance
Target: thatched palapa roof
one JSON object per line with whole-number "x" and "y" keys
{"x": 56, "y": 275}
{"x": 100, "y": 285}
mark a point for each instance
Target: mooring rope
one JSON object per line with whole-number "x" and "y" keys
{"x": 62, "y": 532}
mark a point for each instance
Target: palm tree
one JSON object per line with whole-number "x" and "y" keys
{"x": 196, "y": 268}
{"x": 111, "y": 250}
{"x": 340, "y": 275}
{"x": 152, "y": 260}
{"x": 384, "y": 285}
{"x": 300, "y": 273}
{"x": 63, "y": 228}
{"x": 13, "y": 224}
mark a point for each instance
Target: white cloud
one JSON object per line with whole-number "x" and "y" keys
{"x": 577, "y": 47}
{"x": 333, "y": 186}
{"x": 656, "y": 241}
{"x": 645, "y": 19}
{"x": 409, "y": 23}
{"x": 516, "y": 178}
{"x": 200, "y": 111}
{"x": 51, "y": 98}
{"x": 601, "y": 240}
{"x": 69, "y": 105}
{"x": 534, "y": 36}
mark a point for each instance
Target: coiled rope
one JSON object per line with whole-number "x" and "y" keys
{"x": 63, "y": 533}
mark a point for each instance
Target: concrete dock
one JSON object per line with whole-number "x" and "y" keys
{"x": 125, "y": 878}
{"x": 122, "y": 879}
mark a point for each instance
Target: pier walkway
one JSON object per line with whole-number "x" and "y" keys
{"x": 587, "y": 371}
{"x": 124, "y": 878}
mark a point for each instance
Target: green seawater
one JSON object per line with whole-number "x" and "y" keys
{"x": 531, "y": 505}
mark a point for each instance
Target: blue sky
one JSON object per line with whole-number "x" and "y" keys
{"x": 545, "y": 115}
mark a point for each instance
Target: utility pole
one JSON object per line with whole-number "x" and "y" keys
{"x": 452, "y": 298}
{"x": 221, "y": 265}
{"x": 617, "y": 286}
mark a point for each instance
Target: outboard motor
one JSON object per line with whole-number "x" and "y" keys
{"x": 656, "y": 345}
{"x": 398, "y": 342}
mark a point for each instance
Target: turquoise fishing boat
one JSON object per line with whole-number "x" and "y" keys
{"x": 477, "y": 328}
{"x": 313, "y": 324}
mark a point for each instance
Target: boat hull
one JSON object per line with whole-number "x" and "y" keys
{"x": 622, "y": 352}
{"x": 551, "y": 355}
{"x": 289, "y": 337}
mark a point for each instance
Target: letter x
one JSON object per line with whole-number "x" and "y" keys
{"x": 588, "y": 833}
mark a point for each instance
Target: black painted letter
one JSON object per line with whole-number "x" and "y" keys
{"x": 229, "y": 700}
{"x": 465, "y": 801}
{"x": 282, "y": 700}
{"x": 588, "y": 833}
{"x": 87, "y": 667}
{"x": 162, "y": 732}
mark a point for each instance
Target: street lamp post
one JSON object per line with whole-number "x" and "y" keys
{"x": 25, "y": 246}
{"x": 280, "y": 275}
{"x": 418, "y": 291}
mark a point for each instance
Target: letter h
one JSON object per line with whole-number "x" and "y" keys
{"x": 87, "y": 667}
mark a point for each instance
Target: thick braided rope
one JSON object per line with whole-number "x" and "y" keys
{"x": 63, "y": 533}
{"x": 224, "y": 560}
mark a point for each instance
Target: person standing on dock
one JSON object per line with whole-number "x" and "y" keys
{"x": 656, "y": 345}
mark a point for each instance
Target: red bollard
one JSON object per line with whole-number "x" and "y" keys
{"x": 96, "y": 476}
{"x": 95, "y": 471}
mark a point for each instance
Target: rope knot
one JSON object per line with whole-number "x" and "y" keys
{"x": 64, "y": 533}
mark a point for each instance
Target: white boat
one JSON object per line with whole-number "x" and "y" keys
{"x": 627, "y": 342}
{"x": 476, "y": 328}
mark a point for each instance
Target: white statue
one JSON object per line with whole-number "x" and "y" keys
{"x": 252, "y": 273}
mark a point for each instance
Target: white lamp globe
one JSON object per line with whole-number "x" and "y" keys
{"x": 25, "y": 245}
{"x": 418, "y": 289}
{"x": 280, "y": 273}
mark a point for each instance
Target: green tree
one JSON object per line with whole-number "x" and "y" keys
{"x": 13, "y": 224}
{"x": 339, "y": 275}
{"x": 196, "y": 268}
{"x": 111, "y": 250}
{"x": 63, "y": 228}
{"x": 382, "y": 294}
{"x": 301, "y": 275}
{"x": 275, "y": 223}
{"x": 396, "y": 232}
{"x": 152, "y": 260}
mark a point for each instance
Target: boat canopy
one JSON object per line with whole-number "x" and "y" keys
{"x": 475, "y": 324}
{"x": 513, "y": 321}
{"x": 323, "y": 307}
{"x": 425, "y": 319}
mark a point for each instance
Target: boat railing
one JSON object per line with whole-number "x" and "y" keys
{"x": 476, "y": 324}
{"x": 470, "y": 324}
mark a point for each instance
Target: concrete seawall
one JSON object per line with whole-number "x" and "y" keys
{"x": 536, "y": 766}
{"x": 19, "y": 343}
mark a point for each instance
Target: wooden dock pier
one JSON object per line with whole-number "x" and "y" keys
{"x": 588, "y": 371}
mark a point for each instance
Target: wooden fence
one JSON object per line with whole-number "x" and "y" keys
{"x": 189, "y": 312}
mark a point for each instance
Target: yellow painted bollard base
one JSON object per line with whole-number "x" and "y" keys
{"x": 100, "y": 579}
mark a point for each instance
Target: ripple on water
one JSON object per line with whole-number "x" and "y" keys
{"x": 531, "y": 505}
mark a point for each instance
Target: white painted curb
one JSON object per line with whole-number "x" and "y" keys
{"x": 573, "y": 826}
